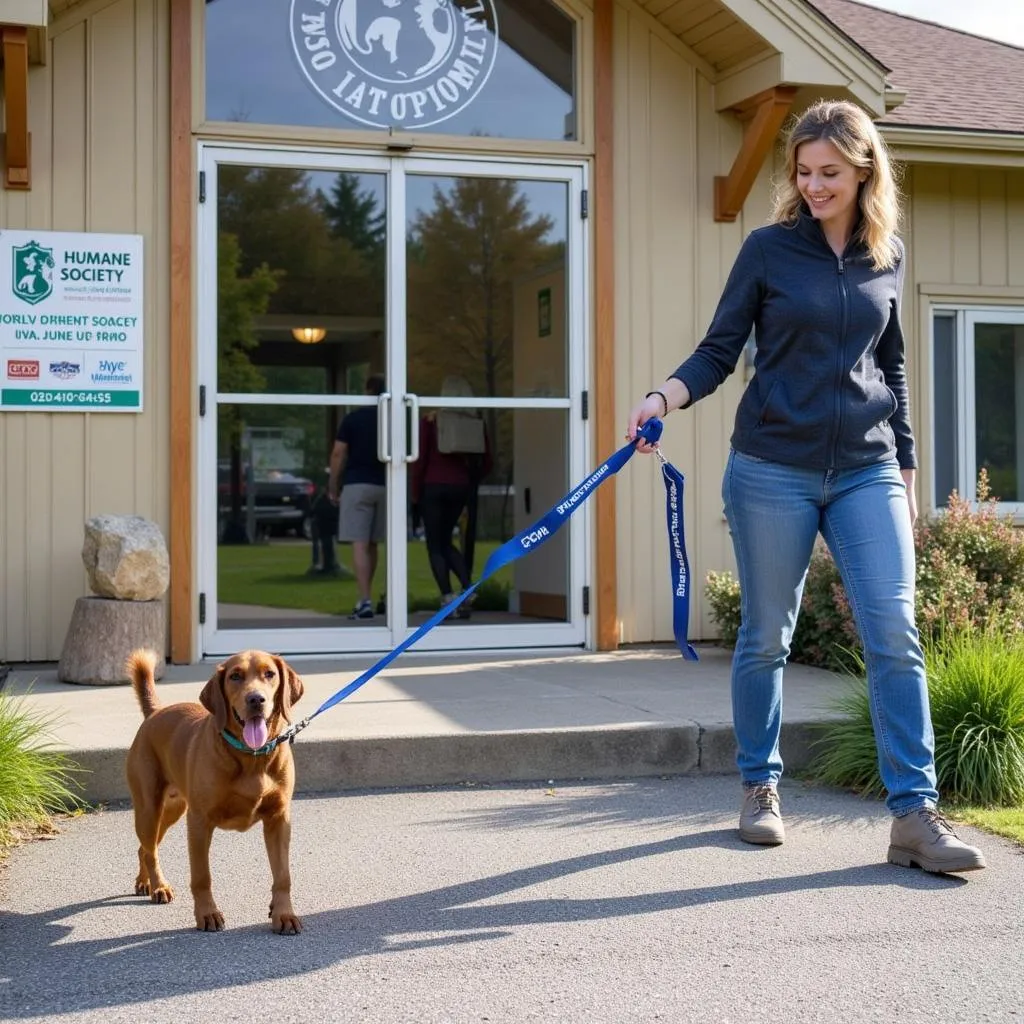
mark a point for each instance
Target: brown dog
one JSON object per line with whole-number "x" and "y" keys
{"x": 182, "y": 759}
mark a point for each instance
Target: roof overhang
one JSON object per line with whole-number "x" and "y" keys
{"x": 809, "y": 52}
{"x": 31, "y": 15}
{"x": 935, "y": 145}
{"x": 24, "y": 12}
{"x": 765, "y": 58}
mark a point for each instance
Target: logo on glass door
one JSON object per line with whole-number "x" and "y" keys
{"x": 402, "y": 63}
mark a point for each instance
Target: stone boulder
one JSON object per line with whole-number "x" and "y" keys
{"x": 126, "y": 558}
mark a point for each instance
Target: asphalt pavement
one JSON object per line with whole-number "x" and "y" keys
{"x": 602, "y": 902}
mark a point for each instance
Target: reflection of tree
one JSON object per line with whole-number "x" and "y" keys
{"x": 354, "y": 215}
{"x": 326, "y": 256}
{"x": 282, "y": 220}
{"x": 239, "y": 301}
{"x": 996, "y": 407}
{"x": 464, "y": 257}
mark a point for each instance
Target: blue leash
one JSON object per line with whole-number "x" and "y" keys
{"x": 532, "y": 538}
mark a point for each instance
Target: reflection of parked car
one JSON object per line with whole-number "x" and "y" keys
{"x": 282, "y": 501}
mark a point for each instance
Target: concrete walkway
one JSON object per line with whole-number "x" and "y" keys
{"x": 430, "y": 719}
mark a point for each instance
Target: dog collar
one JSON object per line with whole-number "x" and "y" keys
{"x": 267, "y": 748}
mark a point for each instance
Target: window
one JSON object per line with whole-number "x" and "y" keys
{"x": 500, "y": 68}
{"x": 978, "y": 401}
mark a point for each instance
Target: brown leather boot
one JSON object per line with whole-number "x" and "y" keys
{"x": 926, "y": 840}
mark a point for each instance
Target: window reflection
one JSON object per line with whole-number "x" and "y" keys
{"x": 503, "y": 68}
{"x": 301, "y": 279}
{"x": 999, "y": 412}
{"x": 486, "y": 285}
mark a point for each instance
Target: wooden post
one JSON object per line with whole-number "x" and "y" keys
{"x": 764, "y": 115}
{"x": 16, "y": 137}
{"x": 606, "y": 579}
{"x": 182, "y": 210}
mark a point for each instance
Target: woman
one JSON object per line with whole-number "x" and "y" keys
{"x": 455, "y": 455}
{"x": 823, "y": 443}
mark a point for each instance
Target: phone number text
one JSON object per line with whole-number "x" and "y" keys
{"x": 71, "y": 397}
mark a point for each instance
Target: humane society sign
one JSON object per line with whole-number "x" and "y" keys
{"x": 70, "y": 322}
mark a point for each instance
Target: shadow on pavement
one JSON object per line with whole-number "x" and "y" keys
{"x": 46, "y": 972}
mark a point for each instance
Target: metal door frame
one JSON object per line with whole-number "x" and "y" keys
{"x": 400, "y": 404}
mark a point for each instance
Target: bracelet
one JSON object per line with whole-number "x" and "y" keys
{"x": 661, "y": 395}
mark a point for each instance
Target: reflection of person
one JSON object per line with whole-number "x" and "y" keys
{"x": 323, "y": 532}
{"x": 823, "y": 443}
{"x": 360, "y": 475}
{"x": 455, "y": 455}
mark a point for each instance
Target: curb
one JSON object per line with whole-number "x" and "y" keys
{"x": 336, "y": 765}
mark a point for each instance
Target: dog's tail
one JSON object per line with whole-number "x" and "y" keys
{"x": 141, "y": 669}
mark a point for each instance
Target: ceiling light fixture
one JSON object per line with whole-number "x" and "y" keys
{"x": 309, "y": 335}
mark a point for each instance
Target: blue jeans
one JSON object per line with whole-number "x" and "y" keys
{"x": 775, "y": 513}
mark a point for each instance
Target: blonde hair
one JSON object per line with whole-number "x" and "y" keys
{"x": 856, "y": 138}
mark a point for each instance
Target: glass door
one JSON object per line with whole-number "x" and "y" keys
{"x": 494, "y": 364}
{"x": 391, "y": 378}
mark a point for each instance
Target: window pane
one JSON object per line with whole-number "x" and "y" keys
{"x": 944, "y": 403}
{"x": 486, "y": 285}
{"x": 279, "y": 563}
{"x": 998, "y": 398}
{"x": 300, "y": 280}
{"x": 503, "y": 68}
{"x": 527, "y": 473}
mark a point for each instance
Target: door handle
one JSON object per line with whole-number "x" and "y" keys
{"x": 412, "y": 405}
{"x": 384, "y": 427}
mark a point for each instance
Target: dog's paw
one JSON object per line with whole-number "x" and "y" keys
{"x": 285, "y": 923}
{"x": 158, "y": 894}
{"x": 161, "y": 894}
{"x": 210, "y": 921}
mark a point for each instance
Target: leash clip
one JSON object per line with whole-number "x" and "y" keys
{"x": 293, "y": 730}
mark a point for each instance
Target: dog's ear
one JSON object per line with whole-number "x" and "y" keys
{"x": 291, "y": 689}
{"x": 212, "y": 698}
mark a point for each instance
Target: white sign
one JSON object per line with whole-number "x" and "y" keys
{"x": 70, "y": 322}
{"x": 396, "y": 63}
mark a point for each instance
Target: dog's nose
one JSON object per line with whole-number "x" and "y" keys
{"x": 255, "y": 701}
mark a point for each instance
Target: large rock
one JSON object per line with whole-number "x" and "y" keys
{"x": 126, "y": 558}
{"x": 103, "y": 633}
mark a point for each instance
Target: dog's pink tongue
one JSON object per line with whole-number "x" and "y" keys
{"x": 255, "y": 732}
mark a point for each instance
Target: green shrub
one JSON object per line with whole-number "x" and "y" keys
{"x": 492, "y": 596}
{"x": 970, "y": 575}
{"x": 976, "y": 687}
{"x": 35, "y": 780}
{"x": 970, "y": 567}
{"x": 976, "y": 690}
{"x": 825, "y": 634}
{"x": 722, "y": 591}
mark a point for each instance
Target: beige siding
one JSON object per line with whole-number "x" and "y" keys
{"x": 671, "y": 263}
{"x": 964, "y": 229}
{"x": 98, "y": 117}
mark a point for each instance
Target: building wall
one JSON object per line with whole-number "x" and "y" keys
{"x": 964, "y": 226}
{"x": 99, "y": 123}
{"x": 100, "y": 129}
{"x": 671, "y": 261}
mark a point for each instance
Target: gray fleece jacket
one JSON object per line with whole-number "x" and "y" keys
{"x": 829, "y": 389}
